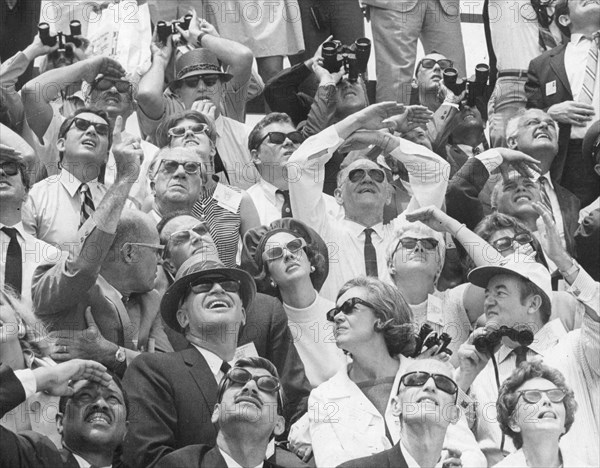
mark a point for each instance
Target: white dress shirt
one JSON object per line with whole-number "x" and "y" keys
{"x": 231, "y": 463}
{"x": 53, "y": 207}
{"x": 269, "y": 203}
{"x": 214, "y": 362}
{"x": 33, "y": 251}
{"x": 428, "y": 176}
{"x": 408, "y": 458}
{"x": 518, "y": 460}
{"x": 576, "y": 58}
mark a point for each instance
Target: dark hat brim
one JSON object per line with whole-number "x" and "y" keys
{"x": 170, "y": 301}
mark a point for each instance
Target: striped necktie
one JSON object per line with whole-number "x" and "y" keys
{"x": 589, "y": 79}
{"x": 543, "y": 183}
{"x": 87, "y": 204}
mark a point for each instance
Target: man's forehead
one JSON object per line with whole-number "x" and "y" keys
{"x": 433, "y": 366}
{"x": 82, "y": 385}
{"x": 91, "y": 117}
{"x": 535, "y": 113}
{"x": 435, "y": 56}
{"x": 503, "y": 280}
{"x": 258, "y": 371}
{"x": 362, "y": 164}
{"x": 278, "y": 127}
{"x": 179, "y": 223}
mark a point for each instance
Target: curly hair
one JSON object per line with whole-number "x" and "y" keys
{"x": 395, "y": 317}
{"x": 508, "y": 396}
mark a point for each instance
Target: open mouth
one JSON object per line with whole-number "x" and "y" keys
{"x": 522, "y": 198}
{"x": 4, "y": 182}
{"x": 112, "y": 99}
{"x": 218, "y": 303}
{"x": 547, "y": 415}
{"x": 98, "y": 417}
{"x": 88, "y": 142}
{"x": 428, "y": 400}
{"x": 367, "y": 188}
{"x": 292, "y": 266}
{"x": 542, "y": 135}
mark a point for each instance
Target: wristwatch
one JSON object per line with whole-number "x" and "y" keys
{"x": 120, "y": 355}
{"x": 571, "y": 271}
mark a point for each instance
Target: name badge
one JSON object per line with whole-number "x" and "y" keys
{"x": 245, "y": 351}
{"x": 435, "y": 313}
{"x": 227, "y": 198}
{"x": 551, "y": 88}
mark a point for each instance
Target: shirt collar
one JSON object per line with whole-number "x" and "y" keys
{"x": 214, "y": 362}
{"x": 543, "y": 340}
{"x": 548, "y": 179}
{"x": 19, "y": 227}
{"x": 219, "y": 123}
{"x": 231, "y": 463}
{"x": 577, "y": 38}
{"x": 410, "y": 461}
{"x": 269, "y": 190}
{"x": 358, "y": 229}
{"x": 72, "y": 183}
{"x": 83, "y": 463}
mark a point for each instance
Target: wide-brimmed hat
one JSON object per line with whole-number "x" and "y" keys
{"x": 256, "y": 239}
{"x": 196, "y": 268}
{"x": 198, "y": 62}
{"x": 523, "y": 266}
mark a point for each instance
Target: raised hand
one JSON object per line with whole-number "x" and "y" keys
{"x": 377, "y": 116}
{"x": 519, "y": 161}
{"x": 572, "y": 113}
{"x": 55, "y": 380}
{"x": 101, "y": 65}
{"x": 433, "y": 217}
{"x": 549, "y": 237}
{"x": 415, "y": 116}
{"x": 471, "y": 361}
{"x": 128, "y": 153}
{"x": 362, "y": 139}
{"x": 206, "y": 107}
{"x": 160, "y": 51}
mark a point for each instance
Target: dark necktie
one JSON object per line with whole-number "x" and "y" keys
{"x": 546, "y": 40}
{"x": 13, "y": 270}
{"x": 286, "y": 209}
{"x": 225, "y": 367}
{"x": 87, "y": 204}
{"x": 370, "y": 254}
{"x": 476, "y": 150}
{"x": 520, "y": 353}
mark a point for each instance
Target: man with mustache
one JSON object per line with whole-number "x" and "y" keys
{"x": 92, "y": 417}
{"x": 426, "y": 406}
{"x": 564, "y": 82}
{"x": 248, "y": 414}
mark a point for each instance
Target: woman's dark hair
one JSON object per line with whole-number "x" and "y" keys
{"x": 508, "y": 396}
{"x": 162, "y": 132}
{"x": 395, "y": 317}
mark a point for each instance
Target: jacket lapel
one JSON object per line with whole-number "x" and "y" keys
{"x": 395, "y": 457}
{"x": 202, "y": 375}
{"x": 557, "y": 63}
{"x": 214, "y": 459}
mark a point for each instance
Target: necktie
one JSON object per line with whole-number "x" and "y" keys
{"x": 476, "y": 150}
{"x": 13, "y": 270}
{"x": 589, "y": 79}
{"x": 370, "y": 254}
{"x": 87, "y": 204}
{"x": 543, "y": 183}
{"x": 286, "y": 209}
{"x": 520, "y": 353}
{"x": 545, "y": 38}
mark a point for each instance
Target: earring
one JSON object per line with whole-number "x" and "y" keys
{"x": 414, "y": 84}
{"x": 273, "y": 284}
{"x": 392, "y": 271}
{"x": 21, "y": 330}
{"x": 312, "y": 269}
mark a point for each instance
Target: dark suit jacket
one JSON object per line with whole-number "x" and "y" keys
{"x": 28, "y": 448}
{"x": 391, "y": 458}
{"x": 199, "y": 456}
{"x": 462, "y": 202}
{"x": 549, "y": 67}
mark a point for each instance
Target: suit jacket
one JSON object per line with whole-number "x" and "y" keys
{"x": 267, "y": 327}
{"x": 199, "y": 456}
{"x": 462, "y": 202}
{"x": 550, "y": 67}
{"x": 28, "y": 448}
{"x": 62, "y": 291}
{"x": 391, "y": 458}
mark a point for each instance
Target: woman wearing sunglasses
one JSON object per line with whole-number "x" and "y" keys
{"x": 535, "y": 409}
{"x": 292, "y": 263}
{"x": 227, "y": 210}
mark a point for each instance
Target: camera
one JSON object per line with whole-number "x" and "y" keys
{"x": 353, "y": 58}
{"x": 487, "y": 342}
{"x": 48, "y": 40}
{"x": 476, "y": 85}
{"x": 427, "y": 338}
{"x": 164, "y": 30}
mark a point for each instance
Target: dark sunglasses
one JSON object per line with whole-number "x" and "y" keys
{"x": 10, "y": 168}
{"x": 418, "y": 379}
{"x": 555, "y": 395}
{"x": 204, "y": 285}
{"x": 170, "y": 166}
{"x": 266, "y": 383}
{"x": 278, "y": 138}
{"x": 356, "y": 175}
{"x": 102, "y": 129}
{"x": 410, "y": 243}
{"x": 348, "y": 307}
{"x": 209, "y": 80}
{"x": 505, "y": 243}
{"x": 181, "y": 131}
{"x": 180, "y": 237}
{"x": 104, "y": 84}
{"x": 277, "y": 252}
{"x": 443, "y": 63}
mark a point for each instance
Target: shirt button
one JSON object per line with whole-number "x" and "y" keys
{"x": 287, "y": 210}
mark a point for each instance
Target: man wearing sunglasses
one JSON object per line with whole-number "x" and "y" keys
{"x": 271, "y": 143}
{"x": 426, "y": 406}
{"x": 98, "y": 301}
{"x": 16, "y": 263}
{"x": 248, "y": 415}
{"x": 362, "y": 190}
{"x": 201, "y": 84}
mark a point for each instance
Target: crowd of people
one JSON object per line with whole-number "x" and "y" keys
{"x": 400, "y": 272}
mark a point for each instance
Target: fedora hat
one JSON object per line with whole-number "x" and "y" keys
{"x": 194, "y": 269}
{"x": 198, "y": 62}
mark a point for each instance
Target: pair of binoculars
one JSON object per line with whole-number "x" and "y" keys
{"x": 490, "y": 340}
{"x": 475, "y": 85}
{"x": 353, "y": 58}
{"x": 164, "y": 30}
{"x": 427, "y": 338}
{"x": 61, "y": 38}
